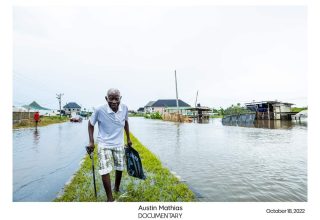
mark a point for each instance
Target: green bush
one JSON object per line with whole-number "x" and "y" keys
{"x": 154, "y": 115}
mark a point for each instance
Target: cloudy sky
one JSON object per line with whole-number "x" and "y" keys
{"x": 230, "y": 54}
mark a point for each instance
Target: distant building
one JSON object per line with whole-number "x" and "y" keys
{"x": 72, "y": 108}
{"x": 148, "y": 107}
{"x": 19, "y": 109}
{"x": 34, "y": 106}
{"x": 162, "y": 104}
{"x": 271, "y": 110}
{"x": 140, "y": 110}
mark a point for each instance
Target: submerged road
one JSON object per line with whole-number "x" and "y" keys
{"x": 45, "y": 159}
{"x": 221, "y": 163}
{"x": 263, "y": 163}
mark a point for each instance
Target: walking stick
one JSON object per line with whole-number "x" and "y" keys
{"x": 90, "y": 152}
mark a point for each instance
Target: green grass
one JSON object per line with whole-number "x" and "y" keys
{"x": 46, "y": 120}
{"x": 159, "y": 186}
{"x": 216, "y": 116}
{"x": 136, "y": 115}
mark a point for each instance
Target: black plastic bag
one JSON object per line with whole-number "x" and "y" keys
{"x": 134, "y": 165}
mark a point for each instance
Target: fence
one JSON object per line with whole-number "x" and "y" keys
{"x": 238, "y": 120}
{"x": 175, "y": 117}
{"x": 20, "y": 116}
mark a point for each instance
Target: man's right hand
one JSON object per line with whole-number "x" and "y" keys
{"x": 90, "y": 147}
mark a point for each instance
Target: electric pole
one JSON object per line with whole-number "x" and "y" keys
{"x": 195, "y": 104}
{"x": 59, "y": 98}
{"x": 177, "y": 98}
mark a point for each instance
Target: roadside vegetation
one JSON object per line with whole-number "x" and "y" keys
{"x": 236, "y": 110}
{"x": 216, "y": 116}
{"x": 159, "y": 186}
{"x": 232, "y": 110}
{"x": 136, "y": 115}
{"x": 154, "y": 115}
{"x": 45, "y": 120}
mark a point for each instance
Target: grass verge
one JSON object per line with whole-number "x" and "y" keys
{"x": 47, "y": 120}
{"x": 216, "y": 116}
{"x": 159, "y": 186}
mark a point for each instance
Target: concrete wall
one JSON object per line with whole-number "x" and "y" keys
{"x": 285, "y": 108}
{"x": 18, "y": 116}
{"x": 148, "y": 109}
{"x": 75, "y": 110}
{"x": 158, "y": 109}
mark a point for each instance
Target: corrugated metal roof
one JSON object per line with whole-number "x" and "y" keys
{"x": 268, "y": 102}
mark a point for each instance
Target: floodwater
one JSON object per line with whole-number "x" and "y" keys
{"x": 46, "y": 158}
{"x": 266, "y": 162}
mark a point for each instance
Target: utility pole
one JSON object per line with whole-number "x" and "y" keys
{"x": 177, "y": 99}
{"x": 59, "y": 98}
{"x": 195, "y": 104}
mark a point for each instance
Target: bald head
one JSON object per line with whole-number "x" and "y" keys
{"x": 113, "y": 91}
{"x": 113, "y": 98}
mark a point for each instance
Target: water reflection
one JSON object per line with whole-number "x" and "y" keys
{"x": 45, "y": 158}
{"x": 36, "y": 137}
{"x": 205, "y": 120}
{"x": 273, "y": 124}
{"x": 230, "y": 163}
{"x": 301, "y": 123}
{"x": 270, "y": 124}
{"x": 178, "y": 134}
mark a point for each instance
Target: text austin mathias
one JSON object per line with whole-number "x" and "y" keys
{"x": 164, "y": 211}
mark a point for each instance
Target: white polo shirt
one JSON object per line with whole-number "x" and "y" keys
{"x": 110, "y": 124}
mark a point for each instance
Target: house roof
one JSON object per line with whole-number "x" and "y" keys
{"x": 169, "y": 103}
{"x": 19, "y": 109}
{"x": 268, "y": 102}
{"x": 35, "y": 106}
{"x": 149, "y": 104}
{"x": 72, "y": 105}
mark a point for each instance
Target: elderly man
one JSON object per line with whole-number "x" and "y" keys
{"x": 112, "y": 118}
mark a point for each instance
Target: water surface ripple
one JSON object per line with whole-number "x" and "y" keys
{"x": 228, "y": 163}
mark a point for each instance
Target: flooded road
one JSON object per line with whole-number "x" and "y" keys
{"x": 265, "y": 162}
{"x": 44, "y": 159}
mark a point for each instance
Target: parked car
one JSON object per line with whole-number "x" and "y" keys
{"x": 76, "y": 118}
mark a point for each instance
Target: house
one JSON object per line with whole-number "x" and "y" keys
{"x": 271, "y": 110}
{"x": 162, "y": 104}
{"x": 140, "y": 110}
{"x": 72, "y": 108}
{"x": 148, "y": 107}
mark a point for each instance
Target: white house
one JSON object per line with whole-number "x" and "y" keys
{"x": 72, "y": 107}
